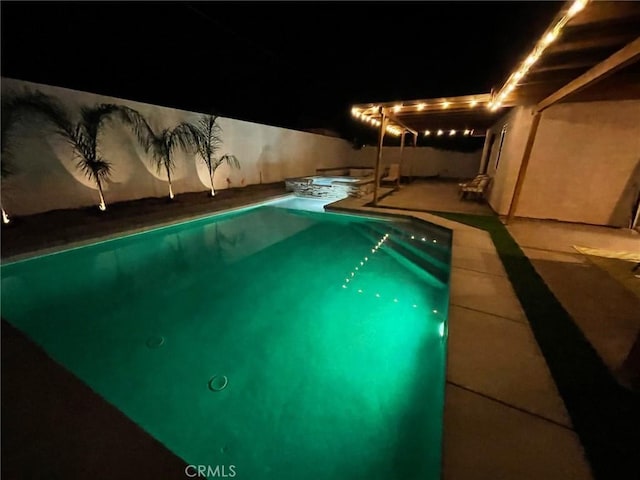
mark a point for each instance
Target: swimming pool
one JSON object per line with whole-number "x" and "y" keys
{"x": 284, "y": 343}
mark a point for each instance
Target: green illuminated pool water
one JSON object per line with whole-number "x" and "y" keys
{"x": 330, "y": 329}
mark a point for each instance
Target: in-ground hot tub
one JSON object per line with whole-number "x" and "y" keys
{"x": 332, "y": 186}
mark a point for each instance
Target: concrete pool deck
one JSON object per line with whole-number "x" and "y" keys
{"x": 503, "y": 417}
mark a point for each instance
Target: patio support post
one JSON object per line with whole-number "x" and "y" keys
{"x": 415, "y": 144}
{"x": 636, "y": 218}
{"x": 400, "y": 165}
{"x": 376, "y": 183}
{"x": 523, "y": 166}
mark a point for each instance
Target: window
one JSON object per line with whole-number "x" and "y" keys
{"x": 502, "y": 135}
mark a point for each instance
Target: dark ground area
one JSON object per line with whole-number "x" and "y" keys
{"x": 60, "y": 227}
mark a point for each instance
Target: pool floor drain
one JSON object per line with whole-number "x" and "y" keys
{"x": 218, "y": 383}
{"x": 155, "y": 341}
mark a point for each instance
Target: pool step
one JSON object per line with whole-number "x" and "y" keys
{"x": 394, "y": 244}
{"x": 422, "y": 241}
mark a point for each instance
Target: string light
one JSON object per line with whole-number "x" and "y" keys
{"x": 394, "y": 130}
{"x": 576, "y": 7}
{"x": 531, "y": 59}
{"x": 450, "y": 131}
{"x": 371, "y": 113}
{"x": 550, "y": 37}
{"x": 547, "y": 39}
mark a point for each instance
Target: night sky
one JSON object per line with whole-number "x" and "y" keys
{"x": 293, "y": 64}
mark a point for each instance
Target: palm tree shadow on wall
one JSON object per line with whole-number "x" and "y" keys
{"x": 22, "y": 112}
{"x": 209, "y": 141}
{"x": 629, "y": 201}
{"x": 163, "y": 145}
{"x": 84, "y": 136}
{"x": 41, "y": 176}
{"x": 129, "y": 173}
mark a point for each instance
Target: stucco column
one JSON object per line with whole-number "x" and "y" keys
{"x": 400, "y": 163}
{"x": 484, "y": 159}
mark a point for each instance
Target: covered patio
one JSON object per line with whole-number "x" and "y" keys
{"x": 588, "y": 54}
{"x": 433, "y": 195}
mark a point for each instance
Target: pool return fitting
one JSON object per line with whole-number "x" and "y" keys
{"x": 217, "y": 383}
{"x": 155, "y": 342}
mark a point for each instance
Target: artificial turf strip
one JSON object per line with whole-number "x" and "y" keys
{"x": 605, "y": 415}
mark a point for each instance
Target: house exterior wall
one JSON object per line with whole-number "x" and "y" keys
{"x": 584, "y": 165}
{"x": 45, "y": 177}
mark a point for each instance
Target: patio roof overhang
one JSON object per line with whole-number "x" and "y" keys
{"x": 588, "y": 53}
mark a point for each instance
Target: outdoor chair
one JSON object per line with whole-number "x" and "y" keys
{"x": 475, "y": 188}
{"x": 392, "y": 174}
